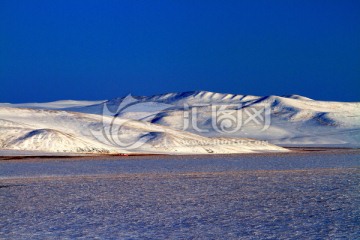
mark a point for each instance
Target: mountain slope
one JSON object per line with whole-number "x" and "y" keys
{"x": 294, "y": 121}
{"x": 62, "y": 131}
{"x": 168, "y": 122}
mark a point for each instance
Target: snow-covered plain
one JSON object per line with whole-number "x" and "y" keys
{"x": 157, "y": 124}
{"x": 312, "y": 195}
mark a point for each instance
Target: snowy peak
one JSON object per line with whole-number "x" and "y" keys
{"x": 295, "y": 96}
{"x": 161, "y": 119}
{"x": 198, "y": 97}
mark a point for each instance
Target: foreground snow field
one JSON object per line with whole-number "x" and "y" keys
{"x": 157, "y": 124}
{"x": 313, "y": 195}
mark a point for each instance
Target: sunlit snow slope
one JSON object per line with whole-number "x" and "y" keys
{"x": 158, "y": 124}
{"x": 294, "y": 120}
{"x": 62, "y": 131}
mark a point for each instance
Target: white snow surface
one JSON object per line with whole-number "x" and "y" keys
{"x": 62, "y": 131}
{"x": 158, "y": 122}
{"x": 62, "y": 104}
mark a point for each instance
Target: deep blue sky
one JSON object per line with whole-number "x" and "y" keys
{"x": 52, "y": 50}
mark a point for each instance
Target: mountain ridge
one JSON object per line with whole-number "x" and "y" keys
{"x": 295, "y": 121}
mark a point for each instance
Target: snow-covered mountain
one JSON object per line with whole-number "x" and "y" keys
{"x": 295, "y": 120}
{"x": 63, "y": 131}
{"x": 180, "y": 123}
